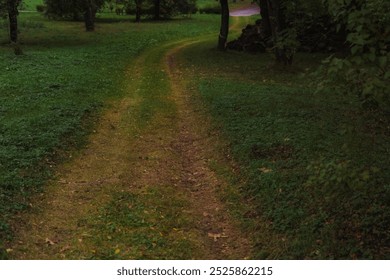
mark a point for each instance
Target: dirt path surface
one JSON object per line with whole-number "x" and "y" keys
{"x": 170, "y": 149}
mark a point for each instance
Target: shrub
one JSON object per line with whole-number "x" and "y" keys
{"x": 210, "y": 9}
{"x": 365, "y": 69}
{"x": 41, "y": 8}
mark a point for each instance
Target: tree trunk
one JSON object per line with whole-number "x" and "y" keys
{"x": 137, "y": 10}
{"x": 157, "y": 9}
{"x": 277, "y": 23}
{"x": 89, "y": 17}
{"x": 12, "y": 6}
{"x": 265, "y": 20}
{"x": 224, "y": 31}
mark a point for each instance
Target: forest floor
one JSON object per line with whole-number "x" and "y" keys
{"x": 143, "y": 186}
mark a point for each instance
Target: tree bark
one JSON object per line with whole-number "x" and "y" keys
{"x": 224, "y": 31}
{"x": 157, "y": 4}
{"x": 89, "y": 17}
{"x": 12, "y": 6}
{"x": 137, "y": 10}
{"x": 277, "y": 24}
{"x": 265, "y": 20}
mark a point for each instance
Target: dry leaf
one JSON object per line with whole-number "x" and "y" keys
{"x": 49, "y": 242}
{"x": 265, "y": 170}
{"x": 65, "y": 248}
{"x": 216, "y": 235}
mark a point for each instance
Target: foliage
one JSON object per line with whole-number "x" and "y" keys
{"x": 3, "y": 8}
{"x": 287, "y": 41}
{"x": 365, "y": 70}
{"x": 187, "y": 7}
{"x": 41, "y": 8}
{"x": 168, "y": 8}
{"x": 210, "y": 9}
{"x": 70, "y": 9}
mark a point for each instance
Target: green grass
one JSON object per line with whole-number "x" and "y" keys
{"x": 149, "y": 224}
{"x": 50, "y": 95}
{"x": 30, "y": 5}
{"x": 314, "y": 165}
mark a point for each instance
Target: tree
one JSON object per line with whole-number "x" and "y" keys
{"x": 265, "y": 19}
{"x": 160, "y": 9}
{"x": 75, "y": 9}
{"x": 224, "y": 30}
{"x": 90, "y": 9}
{"x": 157, "y": 7}
{"x": 12, "y": 10}
{"x": 138, "y": 5}
{"x": 278, "y": 22}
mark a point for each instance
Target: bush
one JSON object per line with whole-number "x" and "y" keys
{"x": 365, "y": 69}
{"x": 211, "y": 9}
{"x": 168, "y": 8}
{"x": 41, "y": 8}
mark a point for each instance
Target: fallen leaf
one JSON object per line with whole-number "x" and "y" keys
{"x": 65, "y": 248}
{"x": 216, "y": 235}
{"x": 265, "y": 170}
{"x": 49, "y": 242}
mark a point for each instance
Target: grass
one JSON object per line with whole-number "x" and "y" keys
{"x": 51, "y": 94}
{"x": 314, "y": 166}
{"x": 149, "y": 224}
{"x": 30, "y": 5}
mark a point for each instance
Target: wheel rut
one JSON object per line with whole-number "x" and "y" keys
{"x": 172, "y": 148}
